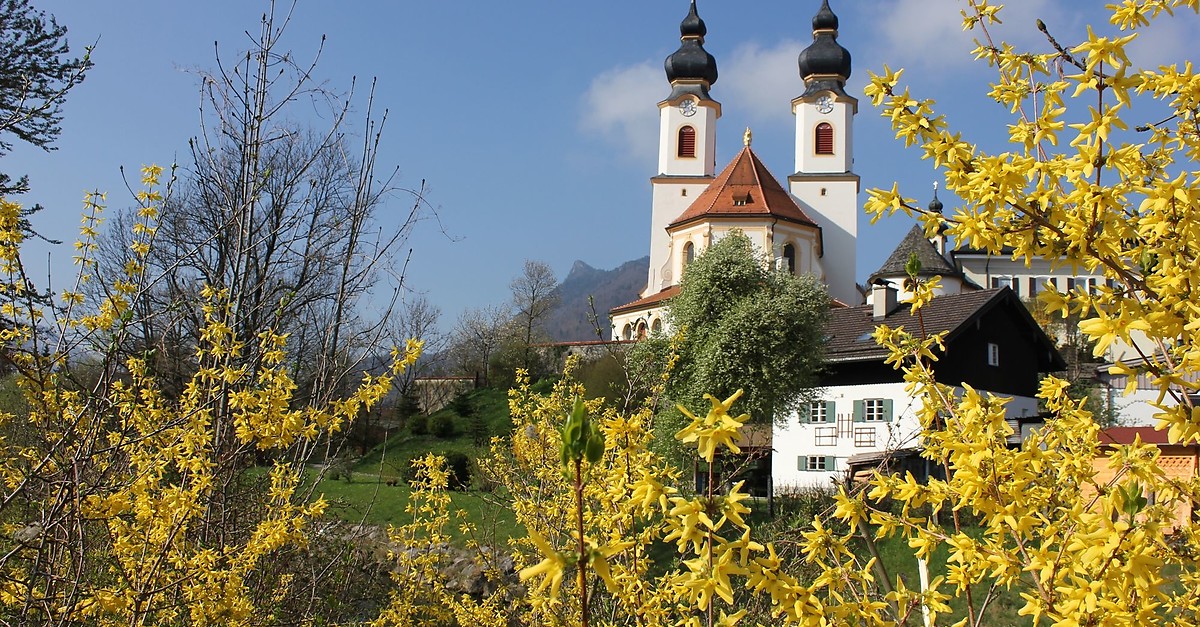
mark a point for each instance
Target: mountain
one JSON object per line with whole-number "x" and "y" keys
{"x": 608, "y": 289}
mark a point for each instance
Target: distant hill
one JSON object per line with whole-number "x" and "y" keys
{"x": 608, "y": 289}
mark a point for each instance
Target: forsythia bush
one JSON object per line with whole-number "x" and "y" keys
{"x": 116, "y": 506}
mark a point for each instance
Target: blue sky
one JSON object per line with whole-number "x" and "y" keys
{"x": 534, "y": 124}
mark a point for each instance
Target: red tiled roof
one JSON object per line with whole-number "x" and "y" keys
{"x": 1125, "y": 435}
{"x": 648, "y": 302}
{"x": 744, "y": 189}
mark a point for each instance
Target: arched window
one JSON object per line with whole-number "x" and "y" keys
{"x": 689, "y": 253}
{"x": 687, "y": 142}
{"x": 656, "y": 326}
{"x": 824, "y": 138}
{"x": 627, "y": 333}
{"x": 789, "y": 254}
{"x": 641, "y": 330}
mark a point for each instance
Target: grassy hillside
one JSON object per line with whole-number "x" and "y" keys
{"x": 373, "y": 489}
{"x": 486, "y": 415}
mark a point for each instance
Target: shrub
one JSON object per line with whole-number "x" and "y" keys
{"x": 418, "y": 425}
{"x": 442, "y": 426}
{"x": 457, "y": 465}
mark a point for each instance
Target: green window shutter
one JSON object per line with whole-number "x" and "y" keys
{"x": 831, "y": 412}
{"x": 805, "y": 413}
{"x": 859, "y": 413}
{"x": 887, "y": 410}
{"x": 829, "y": 459}
{"x": 801, "y": 463}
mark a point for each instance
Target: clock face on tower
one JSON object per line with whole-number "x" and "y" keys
{"x": 688, "y": 108}
{"x": 825, "y": 103}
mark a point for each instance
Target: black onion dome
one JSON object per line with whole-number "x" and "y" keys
{"x": 825, "y": 56}
{"x": 825, "y": 18}
{"x": 692, "y": 61}
{"x": 935, "y": 205}
{"x": 692, "y": 25}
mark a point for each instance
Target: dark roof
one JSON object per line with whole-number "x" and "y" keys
{"x": 849, "y": 331}
{"x": 932, "y": 262}
{"x": 649, "y": 302}
{"x": 1007, "y": 251}
{"x": 744, "y": 189}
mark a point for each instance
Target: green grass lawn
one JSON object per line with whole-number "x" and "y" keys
{"x": 898, "y": 558}
{"x": 369, "y": 500}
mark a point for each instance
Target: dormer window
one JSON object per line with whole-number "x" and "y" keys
{"x": 824, "y": 138}
{"x": 741, "y": 200}
{"x": 687, "y": 142}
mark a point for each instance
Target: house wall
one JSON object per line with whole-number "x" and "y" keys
{"x": 1026, "y": 280}
{"x": 842, "y": 437}
{"x": 1180, "y": 463}
{"x": 966, "y": 360}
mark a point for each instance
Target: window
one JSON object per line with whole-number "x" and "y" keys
{"x": 627, "y": 333}
{"x": 815, "y": 462}
{"x": 689, "y": 253}
{"x": 824, "y": 138}
{"x": 993, "y": 354}
{"x": 789, "y": 255}
{"x": 873, "y": 410}
{"x": 820, "y": 412}
{"x": 687, "y": 142}
{"x": 656, "y": 326}
{"x": 1007, "y": 281}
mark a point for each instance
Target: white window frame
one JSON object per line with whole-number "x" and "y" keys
{"x": 993, "y": 354}
{"x": 817, "y": 413}
{"x": 874, "y": 410}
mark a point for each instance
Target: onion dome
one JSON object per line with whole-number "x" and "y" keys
{"x": 692, "y": 62}
{"x": 825, "y": 19}
{"x": 935, "y": 205}
{"x": 825, "y": 57}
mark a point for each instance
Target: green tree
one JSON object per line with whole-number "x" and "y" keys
{"x": 744, "y": 326}
{"x": 36, "y": 72}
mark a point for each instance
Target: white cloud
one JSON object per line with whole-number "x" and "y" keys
{"x": 1168, "y": 40}
{"x": 928, "y": 34}
{"x": 760, "y": 82}
{"x": 619, "y": 107}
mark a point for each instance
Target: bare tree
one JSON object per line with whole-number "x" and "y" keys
{"x": 418, "y": 318}
{"x": 476, "y": 338}
{"x": 280, "y": 218}
{"x": 533, "y": 300}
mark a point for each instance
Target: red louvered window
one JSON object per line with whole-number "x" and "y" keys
{"x": 687, "y": 142}
{"x": 824, "y": 138}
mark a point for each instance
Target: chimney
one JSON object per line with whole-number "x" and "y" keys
{"x": 883, "y": 299}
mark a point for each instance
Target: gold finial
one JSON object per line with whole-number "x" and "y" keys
{"x": 747, "y": 137}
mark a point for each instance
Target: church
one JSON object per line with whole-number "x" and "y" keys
{"x": 809, "y": 225}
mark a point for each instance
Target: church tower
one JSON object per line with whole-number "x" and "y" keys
{"x": 824, "y": 184}
{"x": 687, "y": 142}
